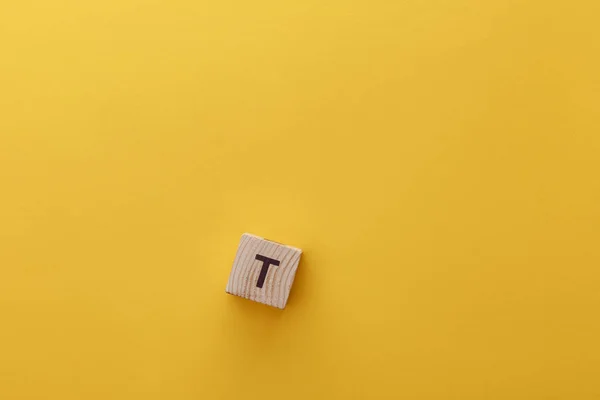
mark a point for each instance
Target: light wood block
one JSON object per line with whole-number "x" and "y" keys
{"x": 263, "y": 271}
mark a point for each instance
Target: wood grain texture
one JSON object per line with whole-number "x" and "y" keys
{"x": 246, "y": 270}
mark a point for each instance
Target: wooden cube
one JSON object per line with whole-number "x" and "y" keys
{"x": 263, "y": 271}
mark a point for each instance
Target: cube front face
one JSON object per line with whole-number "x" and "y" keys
{"x": 263, "y": 271}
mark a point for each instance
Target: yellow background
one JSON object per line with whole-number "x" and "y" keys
{"x": 438, "y": 162}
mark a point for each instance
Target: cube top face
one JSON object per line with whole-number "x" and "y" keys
{"x": 263, "y": 271}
